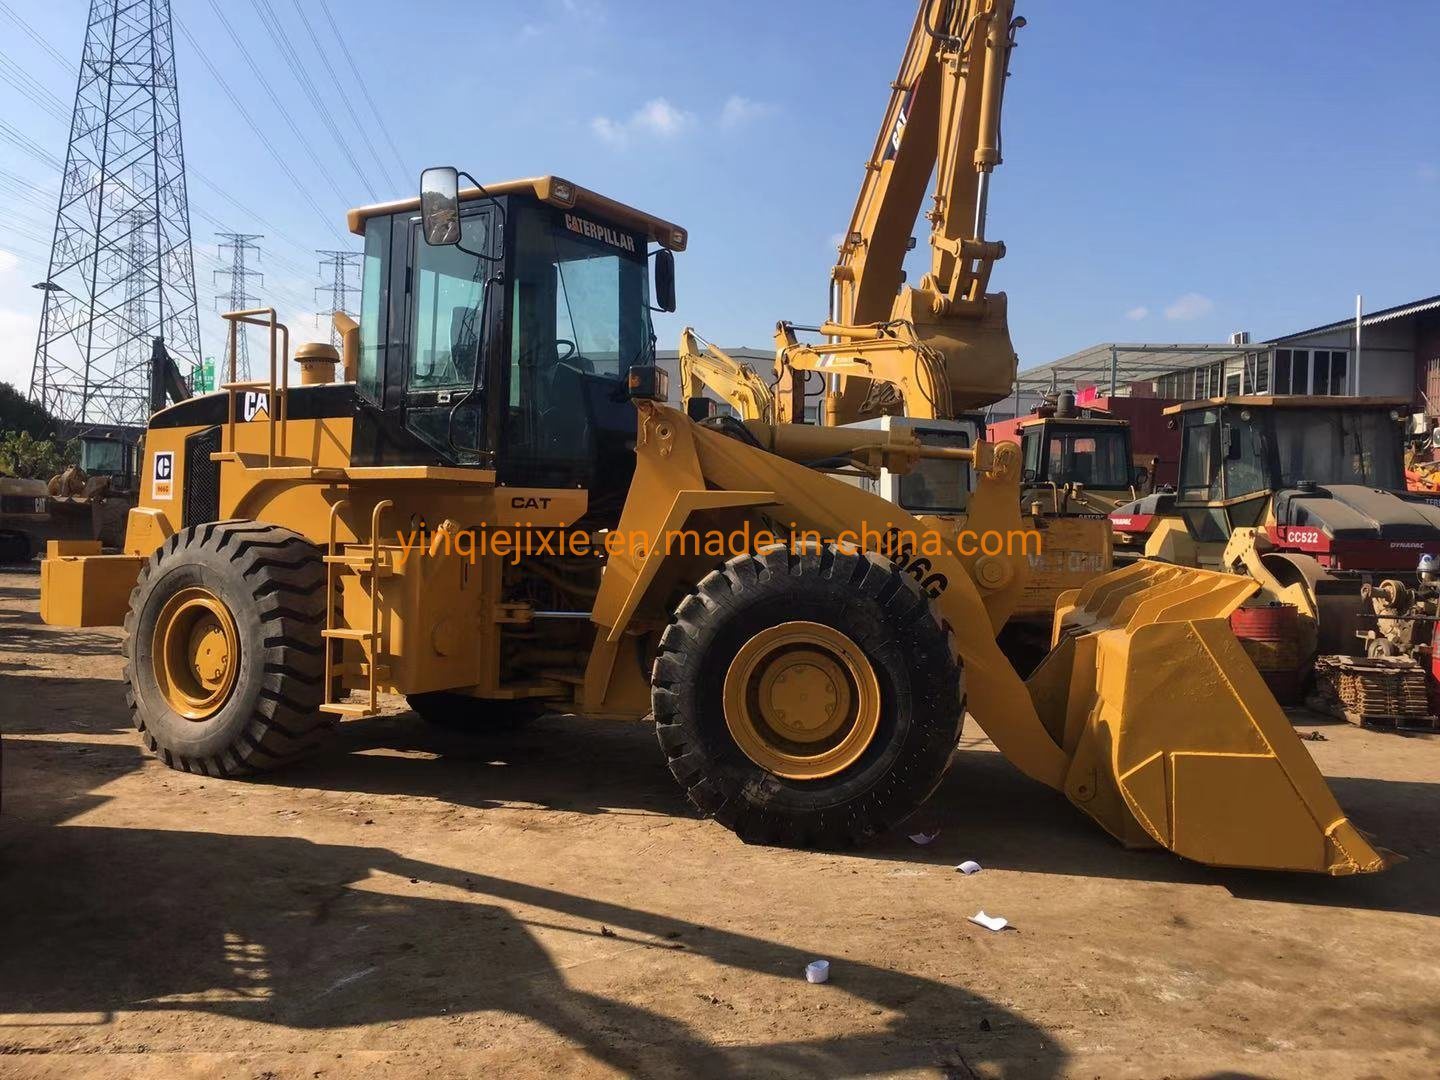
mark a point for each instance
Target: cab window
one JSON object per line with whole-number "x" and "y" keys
{"x": 579, "y": 319}
{"x": 1030, "y": 441}
{"x": 934, "y": 485}
{"x": 1246, "y": 452}
{"x": 445, "y": 315}
{"x": 1200, "y": 455}
{"x": 373, "y": 298}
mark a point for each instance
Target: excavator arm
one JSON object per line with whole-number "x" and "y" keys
{"x": 943, "y": 346}
{"x": 705, "y": 366}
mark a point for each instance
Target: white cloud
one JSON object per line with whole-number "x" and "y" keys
{"x": 656, "y": 118}
{"x": 1190, "y": 306}
{"x": 1137, "y": 314}
{"x": 739, "y": 111}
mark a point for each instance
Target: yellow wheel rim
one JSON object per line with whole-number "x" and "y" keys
{"x": 801, "y": 701}
{"x": 196, "y": 651}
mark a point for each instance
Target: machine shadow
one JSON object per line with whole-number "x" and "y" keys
{"x": 310, "y": 936}
{"x": 59, "y": 704}
{"x": 23, "y": 632}
{"x": 558, "y": 762}
{"x": 987, "y": 811}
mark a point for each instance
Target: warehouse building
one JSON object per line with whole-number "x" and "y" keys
{"x": 1394, "y": 352}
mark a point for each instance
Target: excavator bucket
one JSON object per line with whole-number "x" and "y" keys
{"x": 1173, "y": 738}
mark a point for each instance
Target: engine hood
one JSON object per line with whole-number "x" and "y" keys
{"x": 1353, "y": 512}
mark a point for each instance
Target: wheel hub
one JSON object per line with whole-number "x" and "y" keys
{"x": 801, "y": 700}
{"x": 196, "y": 651}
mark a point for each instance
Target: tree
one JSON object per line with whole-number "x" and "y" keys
{"x": 18, "y": 413}
{"x": 23, "y": 455}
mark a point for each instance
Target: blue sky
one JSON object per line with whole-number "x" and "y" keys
{"x": 1174, "y": 171}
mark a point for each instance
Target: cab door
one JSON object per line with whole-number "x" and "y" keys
{"x": 443, "y": 388}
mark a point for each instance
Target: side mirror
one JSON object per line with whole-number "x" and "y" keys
{"x": 440, "y": 206}
{"x": 665, "y": 279}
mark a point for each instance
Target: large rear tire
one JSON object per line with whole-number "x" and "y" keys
{"x": 808, "y": 699}
{"x": 224, "y": 658}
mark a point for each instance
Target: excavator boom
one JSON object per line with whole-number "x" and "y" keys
{"x": 942, "y": 347}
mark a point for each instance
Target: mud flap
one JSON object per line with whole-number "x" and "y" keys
{"x": 1173, "y": 737}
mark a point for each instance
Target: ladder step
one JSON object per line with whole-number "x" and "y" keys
{"x": 575, "y": 677}
{"x": 341, "y": 709}
{"x": 359, "y": 564}
{"x": 347, "y": 634}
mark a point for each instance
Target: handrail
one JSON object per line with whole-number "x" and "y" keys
{"x": 277, "y": 397}
{"x": 380, "y": 508}
{"x": 331, "y": 551}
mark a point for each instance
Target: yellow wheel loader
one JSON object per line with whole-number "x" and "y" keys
{"x": 493, "y": 509}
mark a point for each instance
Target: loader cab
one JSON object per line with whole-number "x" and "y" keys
{"x": 1091, "y": 453}
{"x": 104, "y": 455}
{"x": 1237, "y": 454}
{"x": 933, "y": 487}
{"x": 497, "y": 328}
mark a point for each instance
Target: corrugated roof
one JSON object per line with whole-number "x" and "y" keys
{"x": 1135, "y": 362}
{"x": 1415, "y": 307}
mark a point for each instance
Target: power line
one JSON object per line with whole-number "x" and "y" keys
{"x": 34, "y": 36}
{"x": 364, "y": 90}
{"x": 340, "y": 91}
{"x": 196, "y": 173}
{"x": 300, "y": 69}
{"x": 280, "y": 106}
{"x": 250, "y": 122}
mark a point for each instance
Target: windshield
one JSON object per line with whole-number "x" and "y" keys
{"x": 1095, "y": 457}
{"x": 1339, "y": 446}
{"x": 937, "y": 485}
{"x": 104, "y": 457}
{"x": 580, "y": 301}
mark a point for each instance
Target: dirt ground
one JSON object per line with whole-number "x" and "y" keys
{"x": 422, "y": 903}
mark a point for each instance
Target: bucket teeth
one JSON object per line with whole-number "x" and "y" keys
{"x": 1172, "y": 735}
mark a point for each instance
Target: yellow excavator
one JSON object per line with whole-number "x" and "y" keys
{"x": 491, "y": 508}
{"x": 704, "y": 366}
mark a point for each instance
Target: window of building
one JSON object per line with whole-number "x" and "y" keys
{"x": 1261, "y": 377}
{"x": 1311, "y": 371}
{"x": 1338, "y": 371}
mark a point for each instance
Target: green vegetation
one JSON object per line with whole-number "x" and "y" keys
{"x": 28, "y": 447}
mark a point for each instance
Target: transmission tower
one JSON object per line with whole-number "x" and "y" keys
{"x": 239, "y": 298}
{"x": 339, "y": 265}
{"x": 121, "y": 271}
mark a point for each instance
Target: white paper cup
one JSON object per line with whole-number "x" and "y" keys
{"x": 817, "y": 971}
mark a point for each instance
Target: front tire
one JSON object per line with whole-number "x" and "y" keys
{"x": 808, "y": 699}
{"x": 224, "y": 658}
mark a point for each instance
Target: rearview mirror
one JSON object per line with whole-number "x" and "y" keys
{"x": 665, "y": 279}
{"x": 440, "y": 206}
